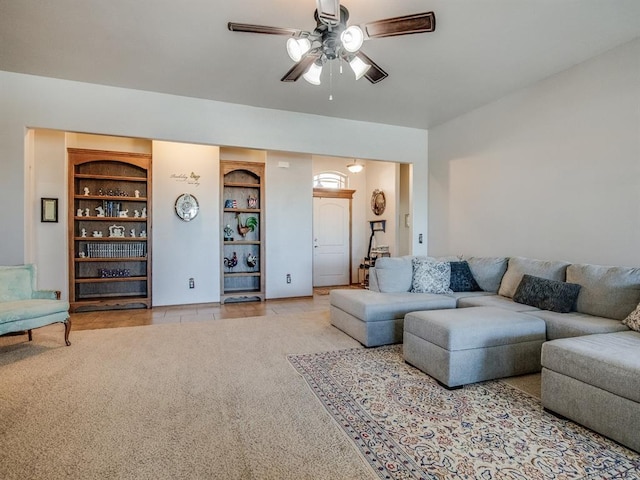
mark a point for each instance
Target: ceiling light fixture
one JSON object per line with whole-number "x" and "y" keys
{"x": 312, "y": 75}
{"x": 352, "y": 38}
{"x": 297, "y": 47}
{"x": 355, "y": 167}
{"x": 359, "y": 67}
{"x": 347, "y": 47}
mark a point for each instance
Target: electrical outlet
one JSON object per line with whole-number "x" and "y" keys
{"x": 288, "y": 278}
{"x": 192, "y": 283}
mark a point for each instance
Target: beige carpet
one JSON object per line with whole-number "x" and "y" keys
{"x": 210, "y": 400}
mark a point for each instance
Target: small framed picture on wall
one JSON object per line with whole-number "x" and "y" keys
{"x": 49, "y": 210}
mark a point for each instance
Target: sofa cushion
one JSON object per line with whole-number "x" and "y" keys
{"x": 16, "y": 283}
{"x": 633, "y": 320}
{"x": 430, "y": 276}
{"x": 518, "y": 266}
{"x": 499, "y": 301}
{"x": 488, "y": 271}
{"x": 479, "y": 293}
{"x": 608, "y": 361}
{"x": 547, "y": 294}
{"x": 27, "y": 309}
{"x": 371, "y": 306}
{"x": 470, "y": 328}
{"x": 393, "y": 274}
{"x": 574, "y": 324}
{"x": 461, "y": 278}
{"x": 611, "y": 292}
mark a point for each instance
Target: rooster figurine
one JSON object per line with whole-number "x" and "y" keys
{"x": 252, "y": 260}
{"x": 249, "y": 225}
{"x": 231, "y": 262}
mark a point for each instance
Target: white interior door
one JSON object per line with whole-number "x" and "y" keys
{"x": 331, "y": 219}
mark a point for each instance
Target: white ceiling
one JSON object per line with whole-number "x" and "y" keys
{"x": 481, "y": 50}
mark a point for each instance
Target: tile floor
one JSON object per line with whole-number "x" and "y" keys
{"x": 197, "y": 312}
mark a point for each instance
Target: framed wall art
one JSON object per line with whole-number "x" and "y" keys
{"x": 49, "y": 210}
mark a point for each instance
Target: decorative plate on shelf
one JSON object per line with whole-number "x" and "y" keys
{"x": 187, "y": 207}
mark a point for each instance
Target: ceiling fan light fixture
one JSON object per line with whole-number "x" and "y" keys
{"x": 297, "y": 47}
{"x": 359, "y": 67}
{"x": 313, "y": 74}
{"x": 352, "y": 38}
{"x": 355, "y": 167}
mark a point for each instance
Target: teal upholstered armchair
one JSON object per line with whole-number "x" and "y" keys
{"x": 23, "y": 307}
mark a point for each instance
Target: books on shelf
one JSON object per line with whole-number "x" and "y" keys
{"x": 117, "y": 250}
{"x": 111, "y": 208}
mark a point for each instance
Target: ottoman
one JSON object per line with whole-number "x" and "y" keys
{"x": 469, "y": 345}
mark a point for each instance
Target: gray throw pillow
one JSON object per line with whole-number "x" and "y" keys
{"x": 430, "y": 276}
{"x": 518, "y": 266}
{"x": 488, "y": 271}
{"x": 547, "y": 294}
{"x": 394, "y": 277}
{"x": 462, "y": 279}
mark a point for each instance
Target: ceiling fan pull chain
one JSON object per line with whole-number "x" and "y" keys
{"x": 330, "y": 81}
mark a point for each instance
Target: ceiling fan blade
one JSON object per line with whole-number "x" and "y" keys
{"x": 375, "y": 74}
{"x": 405, "y": 25}
{"x": 329, "y": 11}
{"x": 247, "y": 27}
{"x": 299, "y": 68}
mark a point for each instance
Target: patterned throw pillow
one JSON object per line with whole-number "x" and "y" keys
{"x": 462, "y": 279}
{"x": 547, "y": 294}
{"x": 633, "y": 320}
{"x": 430, "y": 276}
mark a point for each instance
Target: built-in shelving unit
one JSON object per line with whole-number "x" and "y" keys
{"x": 242, "y": 219}
{"x": 109, "y": 229}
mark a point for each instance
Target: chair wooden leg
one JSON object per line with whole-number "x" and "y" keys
{"x": 30, "y": 335}
{"x": 67, "y": 329}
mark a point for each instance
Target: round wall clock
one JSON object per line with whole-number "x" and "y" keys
{"x": 378, "y": 202}
{"x": 187, "y": 207}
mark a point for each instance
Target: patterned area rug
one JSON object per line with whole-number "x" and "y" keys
{"x": 408, "y": 427}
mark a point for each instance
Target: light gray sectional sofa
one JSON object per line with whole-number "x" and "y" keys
{"x": 590, "y": 361}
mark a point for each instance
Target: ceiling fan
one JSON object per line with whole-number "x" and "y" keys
{"x": 332, "y": 39}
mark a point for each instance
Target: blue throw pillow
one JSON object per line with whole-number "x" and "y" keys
{"x": 547, "y": 294}
{"x": 462, "y": 279}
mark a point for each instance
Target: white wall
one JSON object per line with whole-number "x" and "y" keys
{"x": 49, "y": 240}
{"x": 551, "y": 172}
{"x": 39, "y": 102}
{"x": 289, "y": 225}
{"x": 184, "y": 250}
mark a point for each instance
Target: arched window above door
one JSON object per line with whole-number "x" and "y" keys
{"x": 330, "y": 180}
